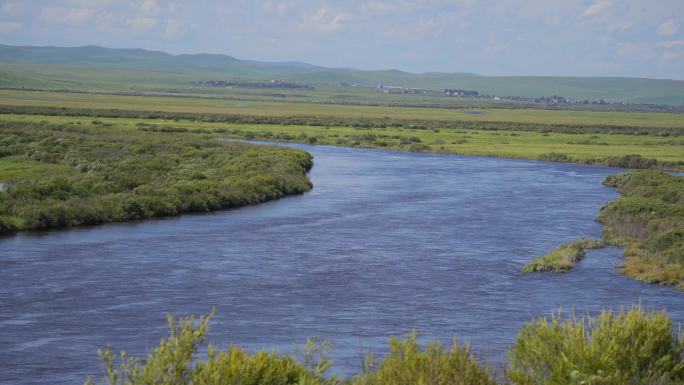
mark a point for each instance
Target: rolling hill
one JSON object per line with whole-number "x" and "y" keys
{"x": 99, "y": 68}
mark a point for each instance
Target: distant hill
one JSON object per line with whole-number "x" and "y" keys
{"x": 219, "y": 67}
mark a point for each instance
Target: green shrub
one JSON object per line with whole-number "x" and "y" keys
{"x": 175, "y": 362}
{"x": 555, "y": 157}
{"x": 628, "y": 347}
{"x": 408, "y": 363}
{"x": 8, "y": 225}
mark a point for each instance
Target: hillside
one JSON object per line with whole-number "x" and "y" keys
{"x": 92, "y": 67}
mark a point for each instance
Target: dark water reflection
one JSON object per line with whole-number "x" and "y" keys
{"x": 385, "y": 243}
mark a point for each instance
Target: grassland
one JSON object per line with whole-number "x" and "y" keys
{"x": 340, "y": 111}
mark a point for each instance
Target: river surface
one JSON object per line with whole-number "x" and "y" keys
{"x": 385, "y": 243}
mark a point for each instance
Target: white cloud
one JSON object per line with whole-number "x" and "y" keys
{"x": 387, "y": 7}
{"x": 71, "y": 16}
{"x": 676, "y": 56}
{"x": 668, "y": 28}
{"x": 325, "y": 19}
{"x": 671, "y": 43}
{"x": 90, "y": 3}
{"x": 636, "y": 51}
{"x": 173, "y": 28}
{"x": 598, "y": 8}
{"x": 149, "y": 7}
{"x": 9, "y": 26}
{"x": 142, "y": 22}
{"x": 624, "y": 24}
{"x": 277, "y": 7}
{"x": 12, "y": 8}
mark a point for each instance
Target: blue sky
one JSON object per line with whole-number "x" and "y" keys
{"x": 505, "y": 37}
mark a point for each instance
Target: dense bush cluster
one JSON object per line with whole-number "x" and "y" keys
{"x": 105, "y": 175}
{"x": 649, "y": 220}
{"x": 614, "y": 348}
{"x": 632, "y": 161}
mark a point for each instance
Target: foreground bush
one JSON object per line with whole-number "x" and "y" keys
{"x": 629, "y": 347}
{"x": 175, "y": 362}
{"x": 409, "y": 364}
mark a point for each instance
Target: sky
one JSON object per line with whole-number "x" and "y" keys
{"x": 636, "y": 38}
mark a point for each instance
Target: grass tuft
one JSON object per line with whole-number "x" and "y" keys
{"x": 563, "y": 258}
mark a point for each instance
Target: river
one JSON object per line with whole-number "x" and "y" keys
{"x": 385, "y": 243}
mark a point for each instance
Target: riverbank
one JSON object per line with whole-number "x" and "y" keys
{"x": 627, "y": 147}
{"x": 647, "y": 220}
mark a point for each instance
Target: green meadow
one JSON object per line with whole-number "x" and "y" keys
{"x": 186, "y": 104}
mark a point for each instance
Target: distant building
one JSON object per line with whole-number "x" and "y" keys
{"x": 399, "y": 89}
{"x": 461, "y": 93}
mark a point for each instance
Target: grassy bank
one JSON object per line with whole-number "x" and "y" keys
{"x": 591, "y": 145}
{"x": 563, "y": 258}
{"x": 649, "y": 221}
{"x": 67, "y": 175}
{"x": 627, "y": 347}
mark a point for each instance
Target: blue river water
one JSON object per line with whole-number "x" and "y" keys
{"x": 385, "y": 243}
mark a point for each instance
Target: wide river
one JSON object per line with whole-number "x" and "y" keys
{"x": 385, "y": 243}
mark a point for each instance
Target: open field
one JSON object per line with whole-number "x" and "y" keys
{"x": 281, "y": 109}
